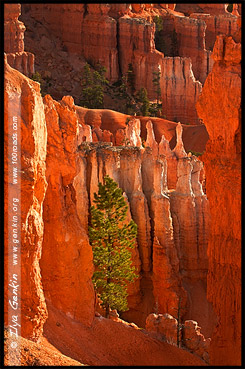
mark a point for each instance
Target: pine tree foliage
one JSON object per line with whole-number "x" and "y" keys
{"x": 93, "y": 87}
{"x": 142, "y": 98}
{"x": 111, "y": 238}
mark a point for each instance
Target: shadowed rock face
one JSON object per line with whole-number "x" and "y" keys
{"x": 220, "y": 108}
{"x": 116, "y": 35}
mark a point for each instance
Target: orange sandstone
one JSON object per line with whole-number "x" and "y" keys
{"x": 220, "y": 108}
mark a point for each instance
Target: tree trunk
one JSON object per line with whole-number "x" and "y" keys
{"x": 107, "y": 310}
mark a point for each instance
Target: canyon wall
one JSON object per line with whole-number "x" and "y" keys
{"x": 171, "y": 249}
{"x": 70, "y": 292}
{"x": 22, "y": 100}
{"x": 220, "y": 108}
{"x": 177, "y": 77}
{"x": 214, "y": 9}
{"x": 217, "y": 24}
{"x": 14, "y": 41}
{"x": 48, "y": 206}
{"x": 185, "y": 37}
{"x": 116, "y": 36}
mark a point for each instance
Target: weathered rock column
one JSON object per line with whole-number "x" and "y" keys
{"x": 14, "y": 40}
{"x": 22, "y": 99}
{"x": 67, "y": 260}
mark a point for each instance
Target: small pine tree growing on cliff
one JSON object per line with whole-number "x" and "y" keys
{"x": 131, "y": 78}
{"x": 144, "y": 101}
{"x": 93, "y": 87}
{"x": 111, "y": 239}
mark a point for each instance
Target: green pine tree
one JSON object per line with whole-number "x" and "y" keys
{"x": 142, "y": 98}
{"x": 131, "y": 78}
{"x": 156, "y": 83}
{"x": 93, "y": 87}
{"x": 111, "y": 238}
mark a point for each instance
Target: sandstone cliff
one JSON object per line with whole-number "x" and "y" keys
{"x": 118, "y": 35}
{"x": 170, "y": 254}
{"x": 66, "y": 151}
{"x": 220, "y": 108}
{"x": 22, "y": 100}
{"x": 63, "y": 229}
{"x": 54, "y": 237}
{"x": 14, "y": 40}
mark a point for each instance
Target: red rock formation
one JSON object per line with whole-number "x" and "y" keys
{"x": 96, "y": 162}
{"x": 13, "y": 29}
{"x": 112, "y": 343}
{"x": 220, "y": 108}
{"x": 60, "y": 18}
{"x": 136, "y": 45}
{"x": 214, "y": 9}
{"x": 194, "y": 137}
{"x": 70, "y": 249}
{"x": 182, "y": 36}
{"x": 142, "y": 174}
{"x": 131, "y": 182}
{"x": 178, "y": 80}
{"x": 164, "y": 325}
{"x": 192, "y": 254}
{"x": 14, "y": 40}
{"x": 195, "y": 341}
{"x": 216, "y": 25}
{"x": 116, "y": 42}
{"x": 99, "y": 41}
{"x": 165, "y": 262}
{"x": 132, "y": 133}
{"x": 22, "y": 99}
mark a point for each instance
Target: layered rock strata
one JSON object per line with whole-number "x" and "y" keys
{"x": 99, "y": 41}
{"x": 213, "y": 9}
{"x": 215, "y": 25}
{"x": 180, "y": 90}
{"x": 115, "y": 36}
{"x": 220, "y": 108}
{"x": 185, "y": 37}
{"x": 14, "y": 41}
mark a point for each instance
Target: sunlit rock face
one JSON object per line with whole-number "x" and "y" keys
{"x": 22, "y": 100}
{"x": 68, "y": 149}
{"x": 220, "y": 108}
{"x": 170, "y": 251}
{"x": 14, "y": 41}
{"x": 65, "y": 229}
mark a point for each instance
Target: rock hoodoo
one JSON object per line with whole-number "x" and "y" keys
{"x": 165, "y": 327}
{"x": 118, "y": 35}
{"x": 14, "y": 40}
{"x": 186, "y": 255}
{"x": 171, "y": 246}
